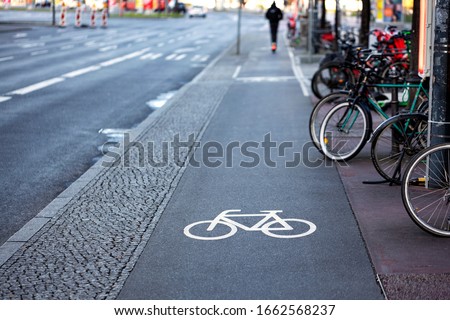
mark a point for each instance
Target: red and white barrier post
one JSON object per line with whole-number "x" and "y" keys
{"x": 62, "y": 20}
{"x": 104, "y": 15}
{"x": 93, "y": 17}
{"x": 78, "y": 15}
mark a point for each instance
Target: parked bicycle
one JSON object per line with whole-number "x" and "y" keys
{"x": 347, "y": 126}
{"x": 339, "y": 67}
{"x": 426, "y": 189}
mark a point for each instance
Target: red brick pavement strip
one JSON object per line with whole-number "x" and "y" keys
{"x": 410, "y": 263}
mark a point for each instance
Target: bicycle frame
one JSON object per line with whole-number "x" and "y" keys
{"x": 271, "y": 214}
{"x": 368, "y": 101}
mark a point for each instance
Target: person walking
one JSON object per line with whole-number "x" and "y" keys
{"x": 274, "y": 15}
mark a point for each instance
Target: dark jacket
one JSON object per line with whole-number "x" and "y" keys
{"x": 274, "y": 14}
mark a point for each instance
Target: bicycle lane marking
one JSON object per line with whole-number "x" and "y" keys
{"x": 269, "y": 218}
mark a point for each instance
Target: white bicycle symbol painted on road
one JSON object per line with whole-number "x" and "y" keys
{"x": 223, "y": 226}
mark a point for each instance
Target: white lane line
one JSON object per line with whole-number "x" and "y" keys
{"x": 109, "y": 48}
{"x": 31, "y": 45}
{"x": 151, "y": 56}
{"x": 36, "y": 53}
{"x": 20, "y": 35}
{"x": 6, "y": 58}
{"x": 204, "y": 58}
{"x": 180, "y": 57}
{"x": 202, "y": 41}
{"x": 171, "y": 56}
{"x": 187, "y": 49}
{"x": 67, "y": 47}
{"x": 266, "y": 79}
{"x": 79, "y": 72}
{"x": 161, "y": 44}
{"x": 200, "y": 58}
{"x": 81, "y": 37}
{"x": 171, "y": 41}
{"x": 141, "y": 40}
{"x": 3, "y": 99}
{"x": 123, "y": 58}
{"x": 72, "y": 74}
{"x": 236, "y": 72}
{"x": 38, "y": 86}
{"x": 90, "y": 43}
{"x": 298, "y": 72}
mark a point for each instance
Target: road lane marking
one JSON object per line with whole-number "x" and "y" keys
{"x": 109, "y": 48}
{"x": 171, "y": 56}
{"x": 90, "y": 43}
{"x": 38, "y": 86}
{"x": 161, "y": 44}
{"x": 141, "y": 40}
{"x": 204, "y": 58}
{"x": 67, "y": 47}
{"x": 298, "y": 72}
{"x": 81, "y": 37}
{"x": 188, "y": 49}
{"x": 31, "y": 45}
{"x": 36, "y": 53}
{"x": 3, "y": 99}
{"x": 237, "y": 71}
{"x": 123, "y": 58}
{"x": 6, "y": 58}
{"x": 79, "y": 72}
{"x": 151, "y": 56}
{"x": 72, "y": 74}
{"x": 20, "y": 35}
{"x": 202, "y": 41}
{"x": 180, "y": 57}
{"x": 171, "y": 41}
{"x": 266, "y": 79}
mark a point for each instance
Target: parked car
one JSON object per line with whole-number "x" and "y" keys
{"x": 179, "y": 7}
{"x": 197, "y": 11}
{"x": 42, "y": 3}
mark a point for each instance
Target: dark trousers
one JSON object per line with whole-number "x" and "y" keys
{"x": 274, "y": 31}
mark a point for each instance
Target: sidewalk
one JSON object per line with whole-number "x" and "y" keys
{"x": 117, "y": 232}
{"x": 410, "y": 263}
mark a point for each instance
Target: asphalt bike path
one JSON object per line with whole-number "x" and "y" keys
{"x": 280, "y": 225}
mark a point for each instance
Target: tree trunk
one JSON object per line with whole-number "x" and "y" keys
{"x": 323, "y": 17}
{"x": 365, "y": 24}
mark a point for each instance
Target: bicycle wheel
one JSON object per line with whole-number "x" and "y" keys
{"x": 218, "y": 233}
{"x": 395, "y": 142}
{"x": 402, "y": 70}
{"x": 331, "y": 77}
{"x": 426, "y": 190}
{"x": 300, "y": 228}
{"x": 319, "y": 112}
{"x": 344, "y": 131}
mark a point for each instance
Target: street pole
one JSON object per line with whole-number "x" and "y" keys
{"x": 440, "y": 100}
{"x": 310, "y": 29}
{"x": 53, "y": 13}
{"x": 337, "y": 24}
{"x": 238, "y": 42}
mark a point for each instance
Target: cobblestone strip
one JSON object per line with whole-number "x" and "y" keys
{"x": 88, "y": 248}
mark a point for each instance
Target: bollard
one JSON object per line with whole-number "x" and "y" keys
{"x": 104, "y": 18}
{"x": 78, "y": 16}
{"x": 62, "y": 21}
{"x": 93, "y": 16}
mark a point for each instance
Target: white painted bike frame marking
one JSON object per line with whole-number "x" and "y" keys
{"x": 269, "y": 217}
